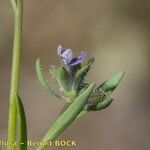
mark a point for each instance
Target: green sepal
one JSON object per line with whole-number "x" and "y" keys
{"x": 83, "y": 70}
{"x": 75, "y": 68}
{"x": 62, "y": 77}
{"x": 67, "y": 117}
{"x": 91, "y": 61}
{"x": 22, "y": 127}
{"x": 96, "y": 97}
{"x": 111, "y": 84}
{"x": 101, "y": 105}
{"x": 44, "y": 82}
{"x": 80, "y": 75}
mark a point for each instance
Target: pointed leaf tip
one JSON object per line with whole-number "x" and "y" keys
{"x": 113, "y": 82}
{"x": 90, "y": 62}
{"x": 22, "y": 126}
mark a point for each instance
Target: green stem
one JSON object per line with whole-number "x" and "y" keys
{"x": 18, "y": 11}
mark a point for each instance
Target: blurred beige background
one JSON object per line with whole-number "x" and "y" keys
{"x": 117, "y": 34}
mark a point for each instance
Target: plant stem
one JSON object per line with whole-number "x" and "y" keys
{"x": 66, "y": 118}
{"x": 18, "y": 11}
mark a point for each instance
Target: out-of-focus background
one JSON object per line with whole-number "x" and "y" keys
{"x": 117, "y": 34}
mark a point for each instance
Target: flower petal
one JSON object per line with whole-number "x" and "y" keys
{"x": 79, "y": 59}
{"x": 74, "y": 61}
{"x": 60, "y": 50}
{"x": 82, "y": 56}
{"x": 67, "y": 55}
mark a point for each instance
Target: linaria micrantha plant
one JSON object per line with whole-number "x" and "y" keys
{"x": 80, "y": 96}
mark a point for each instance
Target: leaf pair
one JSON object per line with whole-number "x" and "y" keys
{"x": 107, "y": 87}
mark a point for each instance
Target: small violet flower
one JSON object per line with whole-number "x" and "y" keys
{"x": 67, "y": 56}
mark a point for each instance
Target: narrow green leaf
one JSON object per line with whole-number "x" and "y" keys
{"x": 104, "y": 103}
{"x": 44, "y": 82}
{"x": 22, "y": 127}
{"x": 67, "y": 117}
{"x": 112, "y": 83}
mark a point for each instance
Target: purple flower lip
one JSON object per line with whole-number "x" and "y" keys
{"x": 67, "y": 56}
